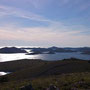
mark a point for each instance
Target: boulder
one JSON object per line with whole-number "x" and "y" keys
{"x": 28, "y": 87}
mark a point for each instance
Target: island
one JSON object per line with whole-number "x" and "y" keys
{"x": 12, "y": 50}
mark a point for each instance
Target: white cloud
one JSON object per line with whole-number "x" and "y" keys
{"x": 6, "y": 11}
{"x": 43, "y": 35}
{"x": 55, "y": 33}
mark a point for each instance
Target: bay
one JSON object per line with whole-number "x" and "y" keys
{"x": 48, "y": 57}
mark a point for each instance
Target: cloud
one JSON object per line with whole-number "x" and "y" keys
{"x": 43, "y": 35}
{"x": 5, "y": 11}
{"x": 54, "y": 26}
{"x": 9, "y": 11}
{"x": 38, "y": 34}
{"x": 55, "y": 33}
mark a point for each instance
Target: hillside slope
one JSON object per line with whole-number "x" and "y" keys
{"x": 70, "y": 74}
{"x": 34, "y": 68}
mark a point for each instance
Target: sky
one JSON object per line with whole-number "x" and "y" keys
{"x": 64, "y": 23}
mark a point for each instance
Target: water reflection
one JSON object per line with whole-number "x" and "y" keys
{"x": 57, "y": 56}
{"x": 3, "y": 73}
{"x": 60, "y": 56}
{"x": 10, "y": 57}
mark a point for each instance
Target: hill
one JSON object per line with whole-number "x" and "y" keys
{"x": 24, "y": 69}
{"x": 64, "y": 73}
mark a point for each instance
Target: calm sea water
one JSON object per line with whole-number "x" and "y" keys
{"x": 49, "y": 57}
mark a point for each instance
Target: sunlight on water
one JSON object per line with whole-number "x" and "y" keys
{"x": 49, "y": 57}
{"x": 10, "y": 57}
{"x": 2, "y": 73}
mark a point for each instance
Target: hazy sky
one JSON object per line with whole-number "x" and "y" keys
{"x": 45, "y": 22}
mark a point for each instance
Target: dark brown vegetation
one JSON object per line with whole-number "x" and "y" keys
{"x": 66, "y": 74}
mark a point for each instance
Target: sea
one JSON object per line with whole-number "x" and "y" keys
{"x": 47, "y": 57}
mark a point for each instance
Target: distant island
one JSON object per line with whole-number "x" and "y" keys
{"x": 12, "y": 50}
{"x": 49, "y": 50}
{"x": 54, "y": 49}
